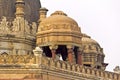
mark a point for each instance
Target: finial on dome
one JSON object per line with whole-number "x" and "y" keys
{"x": 43, "y": 13}
{"x": 59, "y": 13}
{"x": 20, "y": 5}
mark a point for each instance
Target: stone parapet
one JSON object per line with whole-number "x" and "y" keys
{"x": 16, "y": 60}
{"x": 29, "y": 64}
{"x": 77, "y": 70}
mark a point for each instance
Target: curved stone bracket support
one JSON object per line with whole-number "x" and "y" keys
{"x": 70, "y": 47}
{"x": 53, "y": 47}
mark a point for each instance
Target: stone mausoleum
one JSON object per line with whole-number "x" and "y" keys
{"x": 36, "y": 47}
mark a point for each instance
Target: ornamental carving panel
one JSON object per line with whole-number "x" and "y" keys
{"x": 44, "y": 27}
{"x": 16, "y": 26}
{"x": 4, "y": 25}
{"x": 16, "y": 59}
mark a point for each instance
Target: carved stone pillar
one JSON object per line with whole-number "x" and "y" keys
{"x": 43, "y": 13}
{"x": 53, "y": 51}
{"x": 79, "y": 57}
{"x": 20, "y": 5}
{"x": 70, "y": 53}
{"x": 38, "y": 53}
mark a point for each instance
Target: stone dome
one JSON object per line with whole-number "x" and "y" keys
{"x": 61, "y": 19}
{"x": 92, "y": 53}
{"x": 7, "y": 9}
{"x": 90, "y": 46}
{"x": 59, "y": 29}
{"x": 87, "y": 39}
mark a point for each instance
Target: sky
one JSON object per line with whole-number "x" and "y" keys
{"x": 98, "y": 18}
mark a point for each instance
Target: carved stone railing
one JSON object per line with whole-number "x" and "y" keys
{"x": 79, "y": 70}
{"x": 46, "y": 63}
{"x": 17, "y": 59}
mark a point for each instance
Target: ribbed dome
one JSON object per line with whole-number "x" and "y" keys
{"x": 7, "y": 9}
{"x": 58, "y": 29}
{"x": 92, "y": 53}
{"x": 58, "y": 18}
{"x": 90, "y": 46}
{"x": 87, "y": 39}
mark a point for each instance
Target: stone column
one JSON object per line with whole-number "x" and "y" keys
{"x": 79, "y": 56}
{"x": 118, "y": 77}
{"x": 53, "y": 51}
{"x": 20, "y": 5}
{"x": 38, "y": 53}
{"x": 43, "y": 14}
{"x": 70, "y": 53}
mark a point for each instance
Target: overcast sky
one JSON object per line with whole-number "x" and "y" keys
{"x": 98, "y": 18}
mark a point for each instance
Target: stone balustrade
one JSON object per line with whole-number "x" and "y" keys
{"x": 6, "y": 59}
{"x": 75, "y": 69}
{"x": 57, "y": 65}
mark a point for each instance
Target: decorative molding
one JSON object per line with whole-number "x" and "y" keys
{"x": 6, "y": 59}
{"x": 44, "y": 27}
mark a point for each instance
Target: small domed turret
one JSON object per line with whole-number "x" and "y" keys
{"x": 59, "y": 20}
{"x": 57, "y": 27}
{"x": 59, "y": 34}
{"x": 93, "y": 55}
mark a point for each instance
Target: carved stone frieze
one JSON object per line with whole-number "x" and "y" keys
{"x": 17, "y": 26}
{"x": 75, "y": 70}
{"x": 44, "y": 27}
{"x": 4, "y": 25}
{"x": 34, "y": 28}
{"x": 16, "y": 59}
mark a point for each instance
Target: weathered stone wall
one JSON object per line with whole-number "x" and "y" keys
{"x": 18, "y": 36}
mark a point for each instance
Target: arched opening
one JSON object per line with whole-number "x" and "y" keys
{"x": 62, "y": 52}
{"x": 47, "y": 51}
